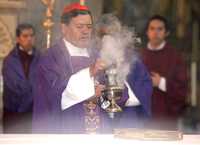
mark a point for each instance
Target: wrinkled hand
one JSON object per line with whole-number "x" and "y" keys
{"x": 98, "y": 66}
{"x": 98, "y": 90}
{"x": 155, "y": 79}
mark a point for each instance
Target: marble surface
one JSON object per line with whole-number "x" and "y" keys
{"x": 57, "y": 139}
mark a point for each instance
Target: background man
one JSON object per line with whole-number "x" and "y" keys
{"x": 168, "y": 74}
{"x": 19, "y": 70}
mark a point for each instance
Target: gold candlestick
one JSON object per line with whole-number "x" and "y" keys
{"x": 82, "y": 2}
{"x": 48, "y": 23}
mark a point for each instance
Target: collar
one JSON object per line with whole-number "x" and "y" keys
{"x": 160, "y": 47}
{"x": 75, "y": 51}
{"x": 29, "y": 52}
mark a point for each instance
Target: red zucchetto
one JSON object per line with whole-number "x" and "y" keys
{"x": 74, "y": 6}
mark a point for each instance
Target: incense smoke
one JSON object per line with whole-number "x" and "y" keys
{"x": 117, "y": 45}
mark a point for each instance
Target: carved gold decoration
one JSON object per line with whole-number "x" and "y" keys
{"x": 5, "y": 40}
{"x": 92, "y": 118}
{"x": 183, "y": 17}
{"x": 48, "y": 23}
{"x": 15, "y": 4}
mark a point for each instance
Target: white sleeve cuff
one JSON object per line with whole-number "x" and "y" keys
{"x": 132, "y": 100}
{"x": 80, "y": 87}
{"x": 162, "y": 84}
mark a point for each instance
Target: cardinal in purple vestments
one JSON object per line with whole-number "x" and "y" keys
{"x": 66, "y": 97}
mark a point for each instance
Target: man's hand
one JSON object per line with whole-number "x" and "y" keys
{"x": 155, "y": 79}
{"x": 98, "y": 90}
{"x": 98, "y": 66}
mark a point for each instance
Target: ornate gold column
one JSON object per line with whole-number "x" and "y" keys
{"x": 118, "y": 6}
{"x": 195, "y": 47}
{"x": 48, "y": 22}
{"x": 9, "y": 13}
{"x": 183, "y": 17}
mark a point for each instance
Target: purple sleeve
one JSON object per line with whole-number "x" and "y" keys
{"x": 140, "y": 83}
{"x": 17, "y": 90}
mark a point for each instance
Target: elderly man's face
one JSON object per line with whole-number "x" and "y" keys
{"x": 78, "y": 31}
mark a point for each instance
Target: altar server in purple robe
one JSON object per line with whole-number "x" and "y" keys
{"x": 19, "y": 70}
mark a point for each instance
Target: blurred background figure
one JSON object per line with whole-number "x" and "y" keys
{"x": 168, "y": 74}
{"x": 19, "y": 69}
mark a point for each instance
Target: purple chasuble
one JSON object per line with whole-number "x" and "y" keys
{"x": 55, "y": 69}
